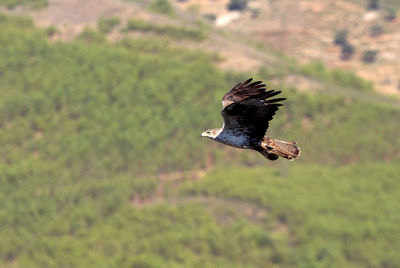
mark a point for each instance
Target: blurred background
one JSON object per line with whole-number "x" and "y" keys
{"x": 102, "y": 103}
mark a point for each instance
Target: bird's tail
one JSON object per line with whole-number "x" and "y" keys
{"x": 273, "y": 148}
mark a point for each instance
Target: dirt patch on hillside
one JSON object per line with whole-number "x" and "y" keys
{"x": 81, "y": 13}
{"x": 305, "y": 30}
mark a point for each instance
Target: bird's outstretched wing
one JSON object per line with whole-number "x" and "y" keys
{"x": 248, "y": 108}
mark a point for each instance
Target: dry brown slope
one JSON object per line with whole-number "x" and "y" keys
{"x": 305, "y": 30}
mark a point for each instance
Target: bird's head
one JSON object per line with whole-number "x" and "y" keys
{"x": 211, "y": 133}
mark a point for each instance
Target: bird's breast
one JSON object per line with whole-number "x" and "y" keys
{"x": 233, "y": 139}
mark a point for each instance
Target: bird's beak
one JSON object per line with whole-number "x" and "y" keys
{"x": 203, "y": 134}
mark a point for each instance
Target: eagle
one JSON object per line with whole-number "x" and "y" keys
{"x": 247, "y": 109}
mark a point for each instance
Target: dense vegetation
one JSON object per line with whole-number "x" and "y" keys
{"x": 86, "y": 128}
{"x": 296, "y": 217}
{"x": 342, "y": 217}
{"x": 175, "y": 32}
{"x": 96, "y": 99}
{"x": 30, "y": 3}
{"x": 335, "y": 76}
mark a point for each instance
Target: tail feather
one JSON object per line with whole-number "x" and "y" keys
{"x": 273, "y": 148}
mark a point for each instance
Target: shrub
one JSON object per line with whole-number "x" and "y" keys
{"x": 347, "y": 51}
{"x": 51, "y": 31}
{"x": 341, "y": 37}
{"x": 391, "y": 13}
{"x": 137, "y": 24}
{"x": 376, "y": 30}
{"x": 237, "y": 4}
{"x": 91, "y": 36}
{"x": 172, "y": 31}
{"x": 210, "y": 16}
{"x": 162, "y": 6}
{"x": 373, "y": 5}
{"x": 106, "y": 25}
{"x": 369, "y": 56}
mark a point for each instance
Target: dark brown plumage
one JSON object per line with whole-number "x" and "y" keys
{"x": 248, "y": 107}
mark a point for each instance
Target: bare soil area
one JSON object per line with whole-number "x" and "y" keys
{"x": 305, "y": 30}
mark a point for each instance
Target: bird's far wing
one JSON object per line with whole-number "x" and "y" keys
{"x": 242, "y": 91}
{"x": 249, "y": 108}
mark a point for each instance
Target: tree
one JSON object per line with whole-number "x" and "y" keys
{"x": 347, "y": 51}
{"x": 237, "y": 4}
{"x": 369, "y": 56}
{"x": 341, "y": 37}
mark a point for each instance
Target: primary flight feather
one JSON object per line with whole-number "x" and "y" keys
{"x": 247, "y": 109}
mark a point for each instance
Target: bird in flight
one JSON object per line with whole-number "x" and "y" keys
{"x": 247, "y": 109}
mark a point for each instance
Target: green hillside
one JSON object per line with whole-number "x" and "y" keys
{"x": 88, "y": 127}
{"x": 31, "y": 3}
{"x": 334, "y": 217}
